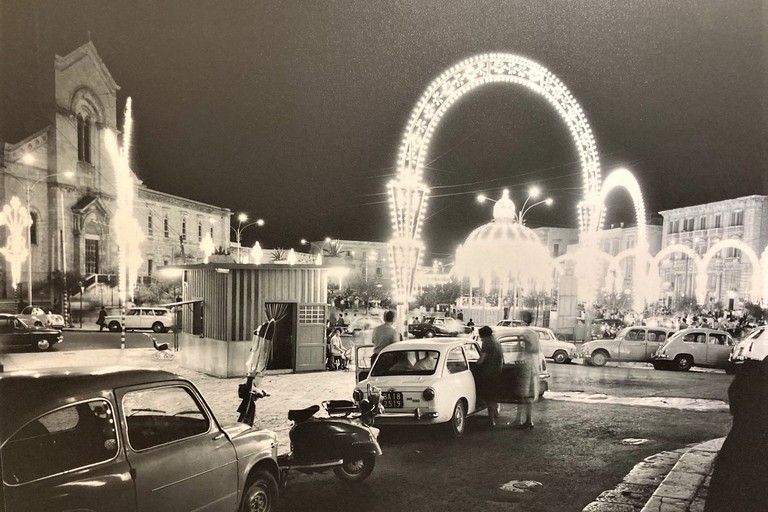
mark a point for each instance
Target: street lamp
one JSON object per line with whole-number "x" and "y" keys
{"x": 243, "y": 218}
{"x": 29, "y": 160}
{"x": 320, "y": 248}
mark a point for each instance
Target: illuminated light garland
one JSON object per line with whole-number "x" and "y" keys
{"x": 757, "y": 286}
{"x": 438, "y": 97}
{"x": 17, "y": 218}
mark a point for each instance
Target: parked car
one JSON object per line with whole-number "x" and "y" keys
{"x": 636, "y": 344}
{"x": 126, "y": 440}
{"x": 511, "y": 323}
{"x": 15, "y": 333}
{"x": 438, "y": 326}
{"x": 754, "y": 346}
{"x": 35, "y": 316}
{"x": 427, "y": 382}
{"x": 156, "y": 318}
{"x": 561, "y": 352}
{"x": 363, "y": 323}
{"x": 694, "y": 347}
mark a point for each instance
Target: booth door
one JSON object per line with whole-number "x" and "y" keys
{"x": 310, "y": 341}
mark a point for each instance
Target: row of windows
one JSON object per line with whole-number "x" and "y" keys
{"x": 691, "y": 223}
{"x": 167, "y": 228}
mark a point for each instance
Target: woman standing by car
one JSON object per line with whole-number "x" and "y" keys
{"x": 489, "y": 371}
{"x": 528, "y": 388}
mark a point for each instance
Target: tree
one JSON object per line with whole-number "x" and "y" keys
{"x": 432, "y": 295}
{"x": 367, "y": 290}
{"x": 685, "y": 305}
{"x": 755, "y": 311}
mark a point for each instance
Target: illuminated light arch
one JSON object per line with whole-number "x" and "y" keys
{"x": 654, "y": 280}
{"x": 701, "y": 277}
{"x": 409, "y": 194}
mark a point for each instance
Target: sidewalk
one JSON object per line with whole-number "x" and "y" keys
{"x": 672, "y": 481}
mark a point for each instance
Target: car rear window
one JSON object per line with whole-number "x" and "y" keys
{"x": 406, "y": 362}
{"x": 63, "y": 440}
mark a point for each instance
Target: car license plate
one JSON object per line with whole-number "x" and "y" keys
{"x": 392, "y": 400}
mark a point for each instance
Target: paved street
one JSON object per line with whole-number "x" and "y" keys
{"x": 576, "y": 450}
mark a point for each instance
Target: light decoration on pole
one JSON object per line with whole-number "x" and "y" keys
{"x": 408, "y": 193}
{"x": 207, "y": 246}
{"x": 292, "y": 258}
{"x": 127, "y": 229}
{"x": 256, "y": 254}
{"x": 17, "y": 219}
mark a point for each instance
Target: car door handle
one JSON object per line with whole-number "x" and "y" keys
{"x": 218, "y": 436}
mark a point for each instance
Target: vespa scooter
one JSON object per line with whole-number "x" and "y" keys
{"x": 345, "y": 441}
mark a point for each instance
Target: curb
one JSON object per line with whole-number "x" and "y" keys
{"x": 669, "y": 481}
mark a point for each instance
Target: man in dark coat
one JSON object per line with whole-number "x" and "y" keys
{"x": 740, "y": 479}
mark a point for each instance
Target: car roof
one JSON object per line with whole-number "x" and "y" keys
{"x": 7, "y": 315}
{"x": 700, "y": 329}
{"x": 508, "y": 329}
{"x": 440, "y": 344}
{"x": 38, "y": 389}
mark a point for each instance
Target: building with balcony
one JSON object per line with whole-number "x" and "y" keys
{"x": 737, "y": 225}
{"x": 64, "y": 173}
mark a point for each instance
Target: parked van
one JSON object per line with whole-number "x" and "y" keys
{"x": 694, "y": 347}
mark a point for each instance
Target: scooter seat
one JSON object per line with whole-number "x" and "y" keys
{"x": 300, "y": 415}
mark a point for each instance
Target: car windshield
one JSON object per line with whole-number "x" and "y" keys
{"x": 406, "y": 362}
{"x": 21, "y": 324}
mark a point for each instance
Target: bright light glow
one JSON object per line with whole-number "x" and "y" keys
{"x": 17, "y": 219}
{"x": 28, "y": 159}
{"x": 128, "y": 233}
{"x": 481, "y": 198}
{"x": 292, "y": 258}
{"x": 68, "y": 174}
{"x": 171, "y": 273}
{"x": 409, "y": 195}
{"x": 260, "y": 222}
{"x": 549, "y": 201}
{"x": 534, "y": 192}
{"x": 256, "y": 254}
{"x": 327, "y": 239}
{"x": 304, "y": 241}
{"x": 242, "y": 217}
{"x": 207, "y": 246}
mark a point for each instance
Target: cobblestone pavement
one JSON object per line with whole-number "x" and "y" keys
{"x": 671, "y": 481}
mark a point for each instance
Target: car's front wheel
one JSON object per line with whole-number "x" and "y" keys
{"x": 158, "y": 327}
{"x": 599, "y": 358}
{"x": 683, "y": 363}
{"x": 114, "y": 326}
{"x": 356, "y": 470}
{"x": 459, "y": 419}
{"x": 43, "y": 344}
{"x": 561, "y": 357}
{"x": 429, "y": 334}
{"x": 261, "y": 493}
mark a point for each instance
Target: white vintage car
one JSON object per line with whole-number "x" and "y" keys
{"x": 35, "y": 316}
{"x": 430, "y": 381}
{"x": 561, "y": 352}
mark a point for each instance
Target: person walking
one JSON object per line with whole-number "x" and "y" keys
{"x": 488, "y": 370}
{"x": 384, "y": 335}
{"x": 102, "y": 320}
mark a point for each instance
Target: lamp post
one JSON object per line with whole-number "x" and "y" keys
{"x": 241, "y": 218}
{"x": 29, "y": 160}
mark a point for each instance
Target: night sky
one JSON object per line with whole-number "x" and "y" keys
{"x": 293, "y": 110}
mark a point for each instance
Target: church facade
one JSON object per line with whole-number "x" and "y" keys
{"x": 64, "y": 174}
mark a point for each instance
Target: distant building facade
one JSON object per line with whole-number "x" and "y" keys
{"x": 699, "y": 227}
{"x": 364, "y": 260}
{"x": 67, "y": 174}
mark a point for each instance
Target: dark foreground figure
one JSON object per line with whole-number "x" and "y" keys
{"x": 740, "y": 480}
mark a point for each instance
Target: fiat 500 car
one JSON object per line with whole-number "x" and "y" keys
{"x": 694, "y": 347}
{"x": 431, "y": 381}
{"x": 112, "y": 439}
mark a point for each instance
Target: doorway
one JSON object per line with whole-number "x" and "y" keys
{"x": 284, "y": 340}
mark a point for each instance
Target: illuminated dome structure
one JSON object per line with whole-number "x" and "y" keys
{"x": 504, "y": 255}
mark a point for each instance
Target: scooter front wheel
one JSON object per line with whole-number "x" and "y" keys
{"x": 355, "y": 470}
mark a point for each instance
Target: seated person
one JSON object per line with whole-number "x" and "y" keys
{"x": 427, "y": 362}
{"x": 401, "y": 362}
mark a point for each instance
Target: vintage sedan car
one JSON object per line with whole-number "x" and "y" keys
{"x": 363, "y": 323}
{"x": 15, "y": 333}
{"x": 561, "y": 352}
{"x": 694, "y": 347}
{"x": 439, "y": 326}
{"x": 633, "y": 344}
{"x": 511, "y": 322}
{"x": 35, "y": 316}
{"x": 116, "y": 439}
{"x": 427, "y": 382}
{"x": 158, "y": 319}
{"x": 754, "y": 346}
